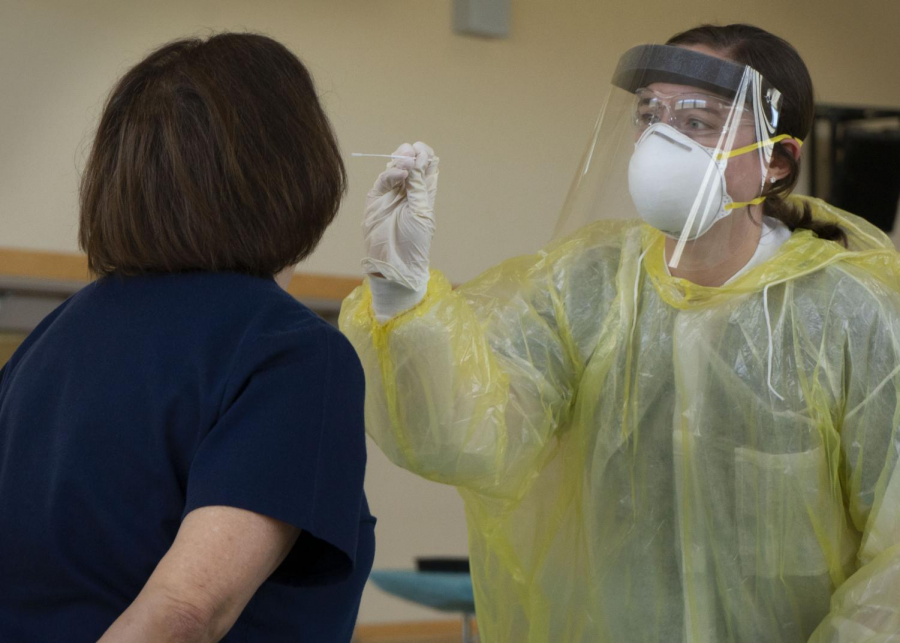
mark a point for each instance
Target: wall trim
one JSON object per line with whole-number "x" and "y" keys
{"x": 39, "y": 265}
{"x": 448, "y": 631}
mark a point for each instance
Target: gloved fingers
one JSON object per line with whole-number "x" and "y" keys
{"x": 424, "y": 155}
{"x": 423, "y": 148}
{"x": 431, "y": 172}
{"x": 416, "y": 183}
{"x": 426, "y": 159}
{"x": 404, "y": 163}
{"x": 405, "y": 150}
{"x": 389, "y": 180}
{"x": 417, "y": 191}
{"x": 431, "y": 182}
{"x": 408, "y": 160}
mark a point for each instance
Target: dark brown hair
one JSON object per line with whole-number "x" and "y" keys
{"x": 781, "y": 65}
{"x": 210, "y": 155}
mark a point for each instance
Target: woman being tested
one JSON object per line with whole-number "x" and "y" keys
{"x": 677, "y": 426}
{"x": 181, "y": 443}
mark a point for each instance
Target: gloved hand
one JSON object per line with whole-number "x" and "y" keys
{"x": 398, "y": 227}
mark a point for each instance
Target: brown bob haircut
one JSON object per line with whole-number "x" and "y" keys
{"x": 211, "y": 155}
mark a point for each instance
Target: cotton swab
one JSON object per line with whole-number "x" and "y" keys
{"x": 383, "y": 156}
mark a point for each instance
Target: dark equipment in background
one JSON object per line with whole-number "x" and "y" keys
{"x": 861, "y": 172}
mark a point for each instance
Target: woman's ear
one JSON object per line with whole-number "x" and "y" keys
{"x": 779, "y": 167}
{"x": 792, "y": 145}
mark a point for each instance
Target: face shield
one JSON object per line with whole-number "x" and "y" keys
{"x": 684, "y": 142}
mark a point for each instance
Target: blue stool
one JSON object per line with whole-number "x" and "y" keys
{"x": 444, "y": 591}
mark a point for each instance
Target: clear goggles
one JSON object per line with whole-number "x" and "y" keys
{"x": 701, "y": 116}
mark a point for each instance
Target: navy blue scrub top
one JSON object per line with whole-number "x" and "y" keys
{"x": 143, "y": 398}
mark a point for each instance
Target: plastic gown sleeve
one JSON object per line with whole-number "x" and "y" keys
{"x": 866, "y": 608}
{"x": 468, "y": 387}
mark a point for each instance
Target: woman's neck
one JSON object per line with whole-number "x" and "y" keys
{"x": 719, "y": 254}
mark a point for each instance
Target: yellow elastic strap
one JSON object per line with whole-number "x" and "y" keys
{"x": 735, "y": 206}
{"x": 755, "y": 146}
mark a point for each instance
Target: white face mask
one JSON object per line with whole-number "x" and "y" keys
{"x": 671, "y": 176}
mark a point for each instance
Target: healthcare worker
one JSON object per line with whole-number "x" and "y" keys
{"x": 679, "y": 421}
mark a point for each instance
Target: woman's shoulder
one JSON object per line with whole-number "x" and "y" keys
{"x": 606, "y": 237}
{"x": 584, "y": 259}
{"x": 272, "y": 316}
{"x": 599, "y": 243}
{"x": 200, "y": 312}
{"x": 226, "y": 297}
{"x": 856, "y": 289}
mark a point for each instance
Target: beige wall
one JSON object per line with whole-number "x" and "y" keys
{"x": 509, "y": 119}
{"x": 9, "y": 342}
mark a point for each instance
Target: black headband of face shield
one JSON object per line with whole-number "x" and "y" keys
{"x": 645, "y": 64}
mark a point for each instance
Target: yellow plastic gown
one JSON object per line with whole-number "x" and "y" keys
{"x": 643, "y": 459}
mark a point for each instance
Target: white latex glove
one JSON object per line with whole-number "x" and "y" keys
{"x": 398, "y": 227}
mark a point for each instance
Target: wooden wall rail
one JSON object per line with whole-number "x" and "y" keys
{"x": 62, "y": 267}
{"x": 51, "y": 266}
{"x": 422, "y": 632}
